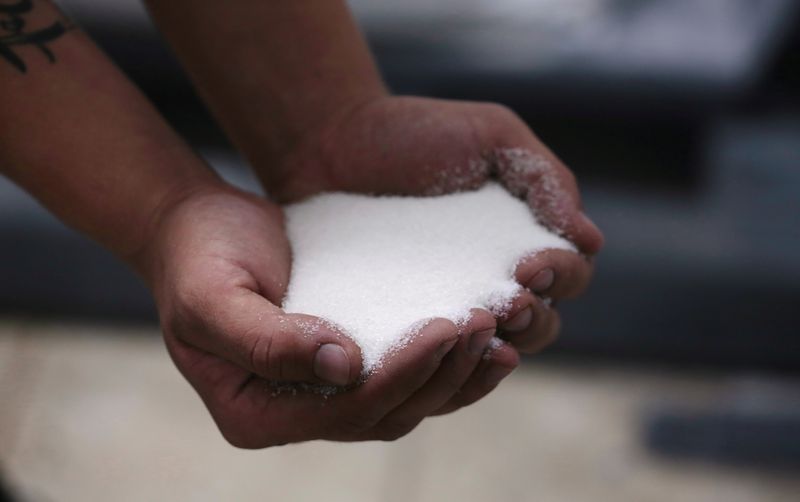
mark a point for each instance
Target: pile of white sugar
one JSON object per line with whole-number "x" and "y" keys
{"x": 379, "y": 266}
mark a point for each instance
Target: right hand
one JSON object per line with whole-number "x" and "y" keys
{"x": 218, "y": 264}
{"x": 419, "y": 146}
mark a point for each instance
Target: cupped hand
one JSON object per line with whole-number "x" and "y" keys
{"x": 419, "y": 146}
{"x": 218, "y": 265}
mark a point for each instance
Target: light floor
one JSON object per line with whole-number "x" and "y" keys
{"x": 99, "y": 413}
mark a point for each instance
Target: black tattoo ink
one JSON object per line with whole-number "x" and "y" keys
{"x": 12, "y": 33}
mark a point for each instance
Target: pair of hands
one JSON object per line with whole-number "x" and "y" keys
{"x": 219, "y": 264}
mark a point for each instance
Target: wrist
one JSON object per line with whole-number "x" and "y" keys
{"x": 273, "y": 71}
{"x": 303, "y": 164}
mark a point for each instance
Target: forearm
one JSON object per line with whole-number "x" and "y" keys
{"x": 80, "y": 138}
{"x": 271, "y": 70}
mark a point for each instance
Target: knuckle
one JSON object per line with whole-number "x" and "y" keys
{"x": 452, "y": 384}
{"x": 496, "y": 123}
{"x": 236, "y": 435}
{"x": 188, "y": 294}
{"x": 499, "y": 111}
{"x": 237, "y": 440}
{"x": 357, "y": 424}
{"x": 239, "y": 431}
{"x": 544, "y": 336}
{"x": 573, "y": 283}
{"x": 481, "y": 320}
{"x": 461, "y": 399}
{"x": 190, "y": 304}
{"x": 448, "y": 408}
{"x": 185, "y": 311}
{"x": 247, "y": 441}
{"x": 262, "y": 354}
{"x": 566, "y": 174}
{"x": 568, "y": 177}
{"x": 172, "y": 323}
{"x": 507, "y": 119}
{"x": 394, "y": 430}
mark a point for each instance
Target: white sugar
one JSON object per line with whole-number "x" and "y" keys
{"x": 378, "y": 267}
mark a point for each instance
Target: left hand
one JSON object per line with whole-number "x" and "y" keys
{"x": 218, "y": 264}
{"x": 418, "y": 146}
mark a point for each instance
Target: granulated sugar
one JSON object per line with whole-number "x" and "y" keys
{"x": 378, "y": 267}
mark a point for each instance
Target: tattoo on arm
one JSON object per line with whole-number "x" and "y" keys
{"x": 13, "y": 33}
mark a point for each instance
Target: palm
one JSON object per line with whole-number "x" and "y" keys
{"x": 226, "y": 250}
{"x": 230, "y": 260}
{"x": 222, "y": 267}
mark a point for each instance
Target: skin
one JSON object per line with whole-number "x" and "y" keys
{"x": 420, "y": 146}
{"x": 311, "y": 114}
{"x": 57, "y": 142}
{"x": 217, "y": 296}
{"x": 336, "y": 127}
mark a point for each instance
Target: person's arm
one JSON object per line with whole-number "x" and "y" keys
{"x": 76, "y": 134}
{"x": 79, "y": 137}
{"x": 271, "y": 70}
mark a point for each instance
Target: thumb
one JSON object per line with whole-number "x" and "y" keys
{"x": 256, "y": 335}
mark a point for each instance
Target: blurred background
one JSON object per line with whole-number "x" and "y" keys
{"x": 676, "y": 376}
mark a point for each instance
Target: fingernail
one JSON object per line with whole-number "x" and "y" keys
{"x": 446, "y": 346}
{"x": 520, "y": 321}
{"x": 479, "y": 341}
{"x": 495, "y": 374}
{"x": 332, "y": 365}
{"x": 542, "y": 280}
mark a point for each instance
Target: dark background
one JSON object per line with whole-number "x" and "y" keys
{"x": 680, "y": 118}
